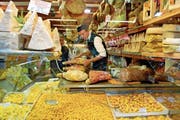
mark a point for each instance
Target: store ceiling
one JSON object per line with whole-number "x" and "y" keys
{"x": 55, "y": 14}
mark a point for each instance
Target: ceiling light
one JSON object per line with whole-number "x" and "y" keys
{"x": 87, "y": 11}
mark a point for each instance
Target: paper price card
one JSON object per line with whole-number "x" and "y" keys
{"x": 39, "y": 6}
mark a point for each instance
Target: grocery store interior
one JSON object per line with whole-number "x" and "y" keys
{"x": 89, "y": 59}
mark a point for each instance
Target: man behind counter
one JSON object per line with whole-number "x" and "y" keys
{"x": 96, "y": 47}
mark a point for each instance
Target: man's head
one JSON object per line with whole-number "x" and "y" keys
{"x": 83, "y": 31}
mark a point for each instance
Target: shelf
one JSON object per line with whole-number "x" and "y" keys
{"x": 155, "y": 20}
{"x": 82, "y": 85}
{"x": 162, "y": 55}
{"x": 167, "y": 15}
{"x": 138, "y": 56}
{"x": 137, "y": 29}
{"x": 25, "y": 52}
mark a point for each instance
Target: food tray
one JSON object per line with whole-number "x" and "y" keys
{"x": 142, "y": 111}
{"x": 17, "y": 102}
{"x": 12, "y": 112}
{"x": 170, "y": 101}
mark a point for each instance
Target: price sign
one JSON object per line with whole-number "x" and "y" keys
{"x": 39, "y": 6}
{"x": 142, "y": 110}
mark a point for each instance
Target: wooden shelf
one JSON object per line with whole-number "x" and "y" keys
{"x": 138, "y": 56}
{"x": 162, "y": 55}
{"x": 136, "y": 30}
{"x": 156, "y": 20}
{"x": 167, "y": 15}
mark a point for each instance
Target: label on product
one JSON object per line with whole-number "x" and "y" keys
{"x": 171, "y": 99}
{"x": 142, "y": 110}
{"x": 160, "y": 99}
{"x": 108, "y": 18}
{"x": 39, "y": 6}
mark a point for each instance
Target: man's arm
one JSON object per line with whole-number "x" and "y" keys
{"x": 87, "y": 53}
{"x": 88, "y": 61}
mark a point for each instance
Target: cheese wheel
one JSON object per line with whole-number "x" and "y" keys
{"x": 172, "y": 41}
{"x": 154, "y": 30}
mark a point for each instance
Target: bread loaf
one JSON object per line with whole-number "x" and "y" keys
{"x": 75, "y": 75}
{"x": 134, "y": 74}
{"x": 97, "y": 76}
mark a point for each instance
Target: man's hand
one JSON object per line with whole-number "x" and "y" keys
{"x": 87, "y": 62}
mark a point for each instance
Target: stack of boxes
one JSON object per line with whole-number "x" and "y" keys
{"x": 171, "y": 41}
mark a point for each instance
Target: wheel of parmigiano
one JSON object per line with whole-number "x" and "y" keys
{"x": 75, "y": 6}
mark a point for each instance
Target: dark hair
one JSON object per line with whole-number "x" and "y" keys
{"x": 82, "y": 27}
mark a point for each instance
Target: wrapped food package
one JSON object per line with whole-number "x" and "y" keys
{"x": 9, "y": 40}
{"x": 171, "y": 27}
{"x": 153, "y": 47}
{"x": 41, "y": 39}
{"x": 171, "y": 34}
{"x": 174, "y": 69}
{"x": 8, "y": 21}
{"x": 72, "y": 6}
{"x": 153, "y": 38}
{"x": 171, "y": 48}
{"x": 1, "y": 13}
{"x": 75, "y": 75}
{"x": 172, "y": 41}
{"x": 155, "y": 30}
{"x": 56, "y": 38}
{"x": 134, "y": 74}
{"x": 30, "y": 24}
{"x": 97, "y": 76}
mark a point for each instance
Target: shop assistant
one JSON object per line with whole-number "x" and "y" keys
{"x": 96, "y": 47}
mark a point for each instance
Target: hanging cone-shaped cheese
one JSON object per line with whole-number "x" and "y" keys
{"x": 55, "y": 37}
{"x": 30, "y": 24}
{"x": 47, "y": 24}
{"x": 27, "y": 15}
{"x": 1, "y": 13}
{"x": 41, "y": 39}
{"x": 8, "y": 22}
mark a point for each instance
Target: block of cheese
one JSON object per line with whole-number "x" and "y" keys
{"x": 172, "y": 41}
{"x": 47, "y": 24}
{"x": 8, "y": 21}
{"x": 27, "y": 16}
{"x": 171, "y": 48}
{"x": 56, "y": 40}
{"x": 154, "y": 30}
{"x": 1, "y": 13}
{"x": 171, "y": 27}
{"x": 171, "y": 34}
{"x": 41, "y": 39}
{"x": 9, "y": 40}
{"x": 153, "y": 38}
{"x": 75, "y": 6}
{"x": 30, "y": 24}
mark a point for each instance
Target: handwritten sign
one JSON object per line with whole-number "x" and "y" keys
{"x": 39, "y": 6}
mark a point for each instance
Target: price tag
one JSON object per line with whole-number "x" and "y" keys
{"x": 160, "y": 99}
{"x": 171, "y": 99}
{"x": 142, "y": 110}
{"x": 39, "y": 6}
{"x": 108, "y": 18}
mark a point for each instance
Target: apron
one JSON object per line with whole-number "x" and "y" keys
{"x": 100, "y": 64}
